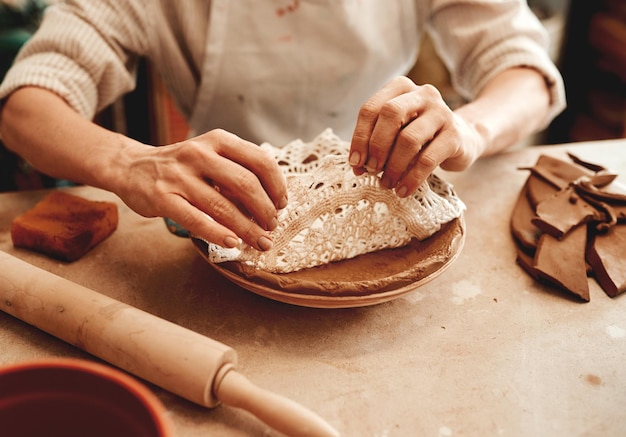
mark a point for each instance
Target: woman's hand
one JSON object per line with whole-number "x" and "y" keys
{"x": 405, "y": 131}
{"x": 217, "y": 175}
{"x": 216, "y": 185}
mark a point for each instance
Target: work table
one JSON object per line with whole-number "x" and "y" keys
{"x": 482, "y": 350}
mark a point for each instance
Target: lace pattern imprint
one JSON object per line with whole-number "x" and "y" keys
{"x": 334, "y": 215}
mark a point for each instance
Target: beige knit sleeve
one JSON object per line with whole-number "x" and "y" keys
{"x": 86, "y": 52}
{"x": 478, "y": 39}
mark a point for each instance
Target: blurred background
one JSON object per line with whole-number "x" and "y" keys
{"x": 588, "y": 44}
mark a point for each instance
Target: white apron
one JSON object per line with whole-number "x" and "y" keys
{"x": 277, "y": 70}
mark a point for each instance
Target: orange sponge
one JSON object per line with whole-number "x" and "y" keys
{"x": 64, "y": 226}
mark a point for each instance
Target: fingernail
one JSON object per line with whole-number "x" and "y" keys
{"x": 264, "y": 243}
{"x": 371, "y": 165}
{"x": 231, "y": 242}
{"x": 283, "y": 202}
{"x": 272, "y": 224}
{"x": 355, "y": 158}
{"x": 386, "y": 182}
{"x": 401, "y": 192}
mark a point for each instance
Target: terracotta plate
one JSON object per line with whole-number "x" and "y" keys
{"x": 365, "y": 280}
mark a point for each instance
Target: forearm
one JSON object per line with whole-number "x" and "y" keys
{"x": 189, "y": 181}
{"x": 511, "y": 107}
{"x": 40, "y": 126}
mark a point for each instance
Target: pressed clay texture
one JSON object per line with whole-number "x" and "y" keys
{"x": 334, "y": 215}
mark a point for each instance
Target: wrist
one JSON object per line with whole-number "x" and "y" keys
{"x": 476, "y": 134}
{"x": 114, "y": 172}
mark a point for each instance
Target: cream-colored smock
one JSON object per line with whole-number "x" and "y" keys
{"x": 274, "y": 70}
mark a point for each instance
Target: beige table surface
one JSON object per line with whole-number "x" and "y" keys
{"x": 480, "y": 351}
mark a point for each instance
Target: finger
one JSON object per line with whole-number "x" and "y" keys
{"x": 233, "y": 198}
{"x": 222, "y": 223}
{"x": 368, "y": 116}
{"x": 244, "y": 189}
{"x": 394, "y": 116}
{"x": 409, "y": 144}
{"x": 427, "y": 160}
{"x": 424, "y": 110}
{"x": 258, "y": 162}
{"x": 245, "y": 173}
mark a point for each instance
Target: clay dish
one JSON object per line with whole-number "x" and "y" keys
{"x": 367, "y": 279}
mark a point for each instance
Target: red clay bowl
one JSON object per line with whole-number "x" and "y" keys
{"x": 72, "y": 398}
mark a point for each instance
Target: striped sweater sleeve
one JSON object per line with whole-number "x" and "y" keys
{"x": 67, "y": 55}
{"x": 480, "y": 38}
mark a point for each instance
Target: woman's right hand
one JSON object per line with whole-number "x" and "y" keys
{"x": 216, "y": 185}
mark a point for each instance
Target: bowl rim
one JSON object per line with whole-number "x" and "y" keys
{"x": 153, "y": 405}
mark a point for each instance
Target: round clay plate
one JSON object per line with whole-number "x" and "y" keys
{"x": 368, "y": 279}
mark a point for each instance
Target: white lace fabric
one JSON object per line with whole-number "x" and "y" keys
{"x": 334, "y": 215}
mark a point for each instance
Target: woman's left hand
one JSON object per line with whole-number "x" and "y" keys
{"x": 405, "y": 131}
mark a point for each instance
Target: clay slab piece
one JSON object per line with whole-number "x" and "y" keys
{"x": 607, "y": 256}
{"x": 539, "y": 190}
{"x": 620, "y": 213}
{"x": 562, "y": 262}
{"x": 562, "y": 212}
{"x": 550, "y": 175}
{"x": 522, "y": 228}
{"x": 527, "y": 262}
{"x": 558, "y": 172}
{"x": 361, "y": 281}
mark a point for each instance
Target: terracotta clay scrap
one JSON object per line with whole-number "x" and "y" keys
{"x": 569, "y": 222}
{"x": 64, "y": 226}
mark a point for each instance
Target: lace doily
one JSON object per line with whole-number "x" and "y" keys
{"x": 334, "y": 215}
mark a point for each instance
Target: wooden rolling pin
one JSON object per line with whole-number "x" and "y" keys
{"x": 175, "y": 358}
